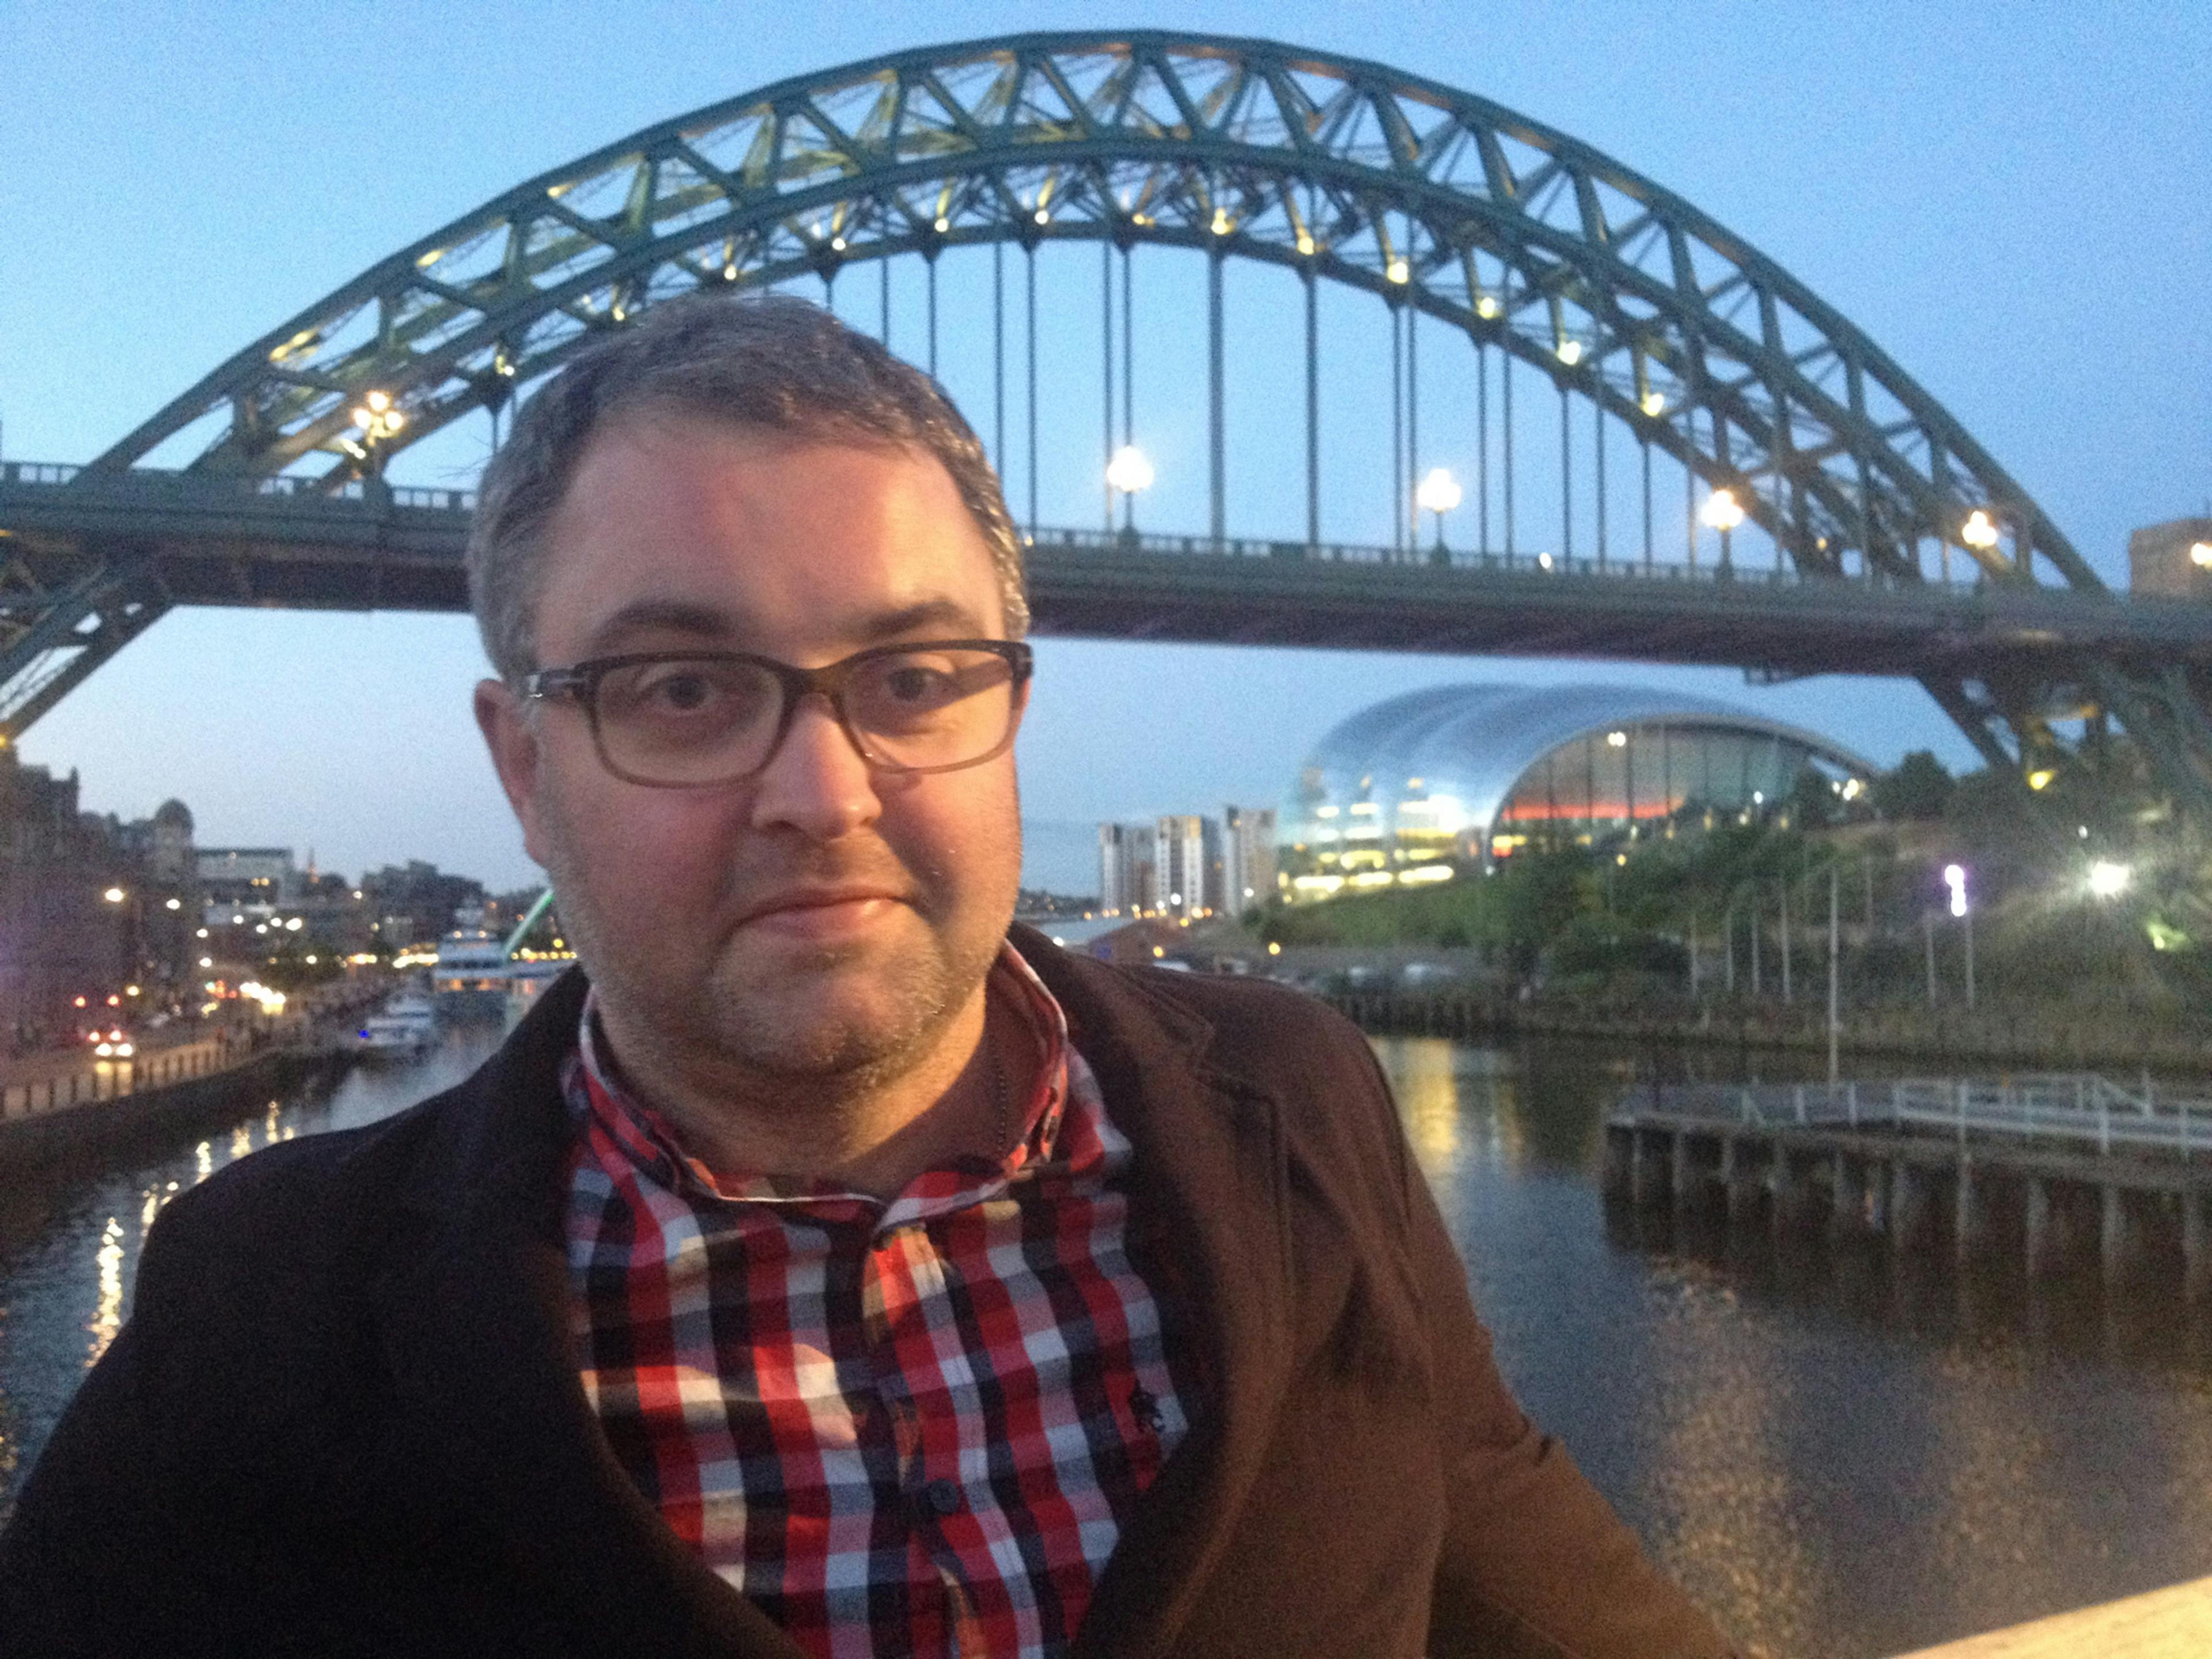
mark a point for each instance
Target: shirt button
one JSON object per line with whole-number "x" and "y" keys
{"x": 942, "y": 1497}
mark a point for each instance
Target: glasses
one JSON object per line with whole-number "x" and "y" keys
{"x": 687, "y": 719}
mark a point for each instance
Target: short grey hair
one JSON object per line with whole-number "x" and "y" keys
{"x": 769, "y": 360}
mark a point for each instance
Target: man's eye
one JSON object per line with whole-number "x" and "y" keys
{"x": 911, "y": 684}
{"x": 682, "y": 693}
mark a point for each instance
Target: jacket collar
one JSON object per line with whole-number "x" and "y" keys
{"x": 475, "y": 1312}
{"x": 491, "y": 1418}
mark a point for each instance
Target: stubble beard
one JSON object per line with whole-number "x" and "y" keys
{"x": 789, "y": 1027}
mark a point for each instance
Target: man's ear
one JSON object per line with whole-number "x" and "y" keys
{"x": 514, "y": 755}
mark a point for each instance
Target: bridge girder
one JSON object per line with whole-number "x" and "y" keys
{"x": 1342, "y": 170}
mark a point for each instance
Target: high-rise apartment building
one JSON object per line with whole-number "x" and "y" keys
{"x": 1183, "y": 864}
{"x": 1128, "y": 869}
{"x": 1248, "y": 857}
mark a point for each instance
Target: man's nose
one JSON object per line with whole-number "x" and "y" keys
{"x": 816, "y": 783}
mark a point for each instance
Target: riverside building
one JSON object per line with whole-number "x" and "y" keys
{"x": 1422, "y": 786}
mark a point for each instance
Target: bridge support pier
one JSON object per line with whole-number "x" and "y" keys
{"x": 1619, "y": 1161}
{"x": 1690, "y": 1171}
{"x": 1970, "y": 1216}
{"x": 2121, "y": 1237}
{"x": 1908, "y": 1205}
{"x": 1643, "y": 1167}
{"x": 2196, "y": 1245}
{"x": 1847, "y": 1185}
{"x": 2045, "y": 1231}
{"x": 1739, "y": 1183}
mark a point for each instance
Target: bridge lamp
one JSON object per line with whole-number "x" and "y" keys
{"x": 1399, "y": 271}
{"x": 1654, "y": 405}
{"x": 113, "y": 895}
{"x": 1723, "y": 513}
{"x": 377, "y": 416}
{"x": 1979, "y": 532}
{"x": 2040, "y": 778}
{"x": 1438, "y": 493}
{"x": 1129, "y": 471}
{"x": 1486, "y": 308}
{"x": 1954, "y": 877}
{"x": 2108, "y": 881}
{"x": 2200, "y": 555}
{"x": 1570, "y": 352}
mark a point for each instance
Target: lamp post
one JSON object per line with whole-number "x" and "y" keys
{"x": 1954, "y": 877}
{"x": 1439, "y": 493}
{"x": 1129, "y": 471}
{"x": 1723, "y": 513}
{"x": 378, "y": 419}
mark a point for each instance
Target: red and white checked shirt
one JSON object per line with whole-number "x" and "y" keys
{"x": 907, "y": 1428}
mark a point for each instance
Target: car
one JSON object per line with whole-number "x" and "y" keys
{"x": 113, "y": 1043}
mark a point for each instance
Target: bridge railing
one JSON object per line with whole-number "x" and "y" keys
{"x": 1541, "y": 563}
{"x": 2066, "y": 1108}
{"x": 141, "y": 484}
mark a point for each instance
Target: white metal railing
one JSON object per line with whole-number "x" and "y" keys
{"x": 2074, "y": 1108}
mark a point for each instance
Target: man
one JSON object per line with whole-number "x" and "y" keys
{"x": 823, "y": 1269}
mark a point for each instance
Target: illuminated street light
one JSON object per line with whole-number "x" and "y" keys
{"x": 2110, "y": 880}
{"x": 378, "y": 418}
{"x": 175, "y": 904}
{"x": 1654, "y": 404}
{"x": 1954, "y": 877}
{"x": 1979, "y": 532}
{"x": 1723, "y": 513}
{"x": 2200, "y": 555}
{"x": 113, "y": 895}
{"x": 1616, "y": 739}
{"x": 2040, "y": 778}
{"x": 1439, "y": 492}
{"x": 1570, "y": 352}
{"x": 1129, "y": 471}
{"x": 1399, "y": 271}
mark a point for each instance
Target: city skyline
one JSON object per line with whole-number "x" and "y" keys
{"x": 1913, "y": 167}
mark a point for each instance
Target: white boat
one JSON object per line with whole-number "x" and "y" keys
{"x": 470, "y": 979}
{"x": 405, "y": 1026}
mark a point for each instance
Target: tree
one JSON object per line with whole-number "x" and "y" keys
{"x": 1918, "y": 788}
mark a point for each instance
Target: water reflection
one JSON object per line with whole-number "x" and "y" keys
{"x": 1841, "y": 1455}
{"x": 68, "y": 1256}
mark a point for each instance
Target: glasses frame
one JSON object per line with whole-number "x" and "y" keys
{"x": 579, "y": 684}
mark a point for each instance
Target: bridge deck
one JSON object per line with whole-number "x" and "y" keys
{"x": 277, "y": 542}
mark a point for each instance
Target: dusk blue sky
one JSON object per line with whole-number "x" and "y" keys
{"x": 2011, "y": 199}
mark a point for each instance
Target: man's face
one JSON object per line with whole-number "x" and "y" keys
{"x": 818, "y": 918}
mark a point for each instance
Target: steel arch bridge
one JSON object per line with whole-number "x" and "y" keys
{"x": 1542, "y": 252}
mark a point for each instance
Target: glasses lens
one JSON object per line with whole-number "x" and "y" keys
{"x": 688, "y": 720}
{"x": 931, "y": 707}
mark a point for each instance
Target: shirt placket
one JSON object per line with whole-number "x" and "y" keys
{"x": 925, "y": 1377}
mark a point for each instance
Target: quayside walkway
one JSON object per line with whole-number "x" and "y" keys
{"x": 2175, "y": 1623}
{"x": 2057, "y": 1165}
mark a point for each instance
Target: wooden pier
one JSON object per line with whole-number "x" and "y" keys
{"x": 2060, "y": 1167}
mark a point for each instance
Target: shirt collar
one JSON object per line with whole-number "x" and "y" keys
{"x": 594, "y": 1086}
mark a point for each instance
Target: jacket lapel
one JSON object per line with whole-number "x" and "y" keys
{"x": 493, "y": 1421}
{"x": 1207, "y": 1208}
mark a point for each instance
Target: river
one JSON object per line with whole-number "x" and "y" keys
{"x": 1842, "y": 1458}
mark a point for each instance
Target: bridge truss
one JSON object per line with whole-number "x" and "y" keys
{"x": 1543, "y": 253}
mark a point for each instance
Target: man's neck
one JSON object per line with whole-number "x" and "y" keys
{"x": 957, "y": 1097}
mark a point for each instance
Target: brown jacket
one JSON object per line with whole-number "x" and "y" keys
{"x": 344, "y": 1418}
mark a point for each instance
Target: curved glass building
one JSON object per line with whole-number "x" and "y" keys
{"x": 1424, "y": 785}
